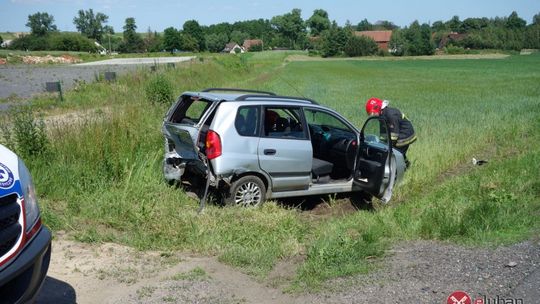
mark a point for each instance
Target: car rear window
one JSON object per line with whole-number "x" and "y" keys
{"x": 190, "y": 110}
{"x": 247, "y": 121}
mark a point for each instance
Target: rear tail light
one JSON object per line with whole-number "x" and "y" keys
{"x": 213, "y": 145}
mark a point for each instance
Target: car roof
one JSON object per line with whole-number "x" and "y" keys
{"x": 226, "y": 94}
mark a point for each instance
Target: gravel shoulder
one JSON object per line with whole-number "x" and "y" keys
{"x": 26, "y": 80}
{"x": 414, "y": 272}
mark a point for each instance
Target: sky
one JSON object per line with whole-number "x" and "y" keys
{"x": 160, "y": 14}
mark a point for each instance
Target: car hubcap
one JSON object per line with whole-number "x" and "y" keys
{"x": 248, "y": 194}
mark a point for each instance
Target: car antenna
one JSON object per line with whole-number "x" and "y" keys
{"x": 293, "y": 87}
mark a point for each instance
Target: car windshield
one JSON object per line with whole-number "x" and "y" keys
{"x": 325, "y": 120}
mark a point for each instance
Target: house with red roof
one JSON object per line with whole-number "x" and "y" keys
{"x": 248, "y": 43}
{"x": 382, "y": 38}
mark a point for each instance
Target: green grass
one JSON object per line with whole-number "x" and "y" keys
{"x": 101, "y": 178}
{"x": 15, "y": 56}
{"x": 196, "y": 274}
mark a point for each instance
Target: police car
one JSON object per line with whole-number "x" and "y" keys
{"x": 25, "y": 243}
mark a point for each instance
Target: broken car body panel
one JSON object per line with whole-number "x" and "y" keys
{"x": 293, "y": 156}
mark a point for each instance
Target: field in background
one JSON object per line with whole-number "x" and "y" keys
{"x": 101, "y": 177}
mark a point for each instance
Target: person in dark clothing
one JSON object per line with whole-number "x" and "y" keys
{"x": 401, "y": 129}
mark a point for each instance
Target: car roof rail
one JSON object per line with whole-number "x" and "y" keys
{"x": 277, "y": 97}
{"x": 237, "y": 90}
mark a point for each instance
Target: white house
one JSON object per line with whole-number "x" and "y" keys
{"x": 233, "y": 48}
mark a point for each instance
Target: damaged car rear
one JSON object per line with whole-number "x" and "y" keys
{"x": 251, "y": 146}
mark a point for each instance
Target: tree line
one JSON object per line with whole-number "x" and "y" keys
{"x": 318, "y": 34}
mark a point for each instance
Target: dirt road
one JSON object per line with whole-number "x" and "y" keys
{"x": 413, "y": 272}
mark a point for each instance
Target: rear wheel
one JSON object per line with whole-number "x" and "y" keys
{"x": 246, "y": 191}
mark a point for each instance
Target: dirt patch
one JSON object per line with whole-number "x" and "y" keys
{"x": 112, "y": 273}
{"x": 411, "y": 272}
{"x": 50, "y": 59}
{"x": 285, "y": 271}
{"x": 417, "y": 272}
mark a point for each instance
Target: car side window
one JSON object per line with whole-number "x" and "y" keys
{"x": 247, "y": 120}
{"x": 375, "y": 131}
{"x": 283, "y": 122}
{"x": 322, "y": 120}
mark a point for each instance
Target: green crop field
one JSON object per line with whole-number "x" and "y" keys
{"x": 100, "y": 175}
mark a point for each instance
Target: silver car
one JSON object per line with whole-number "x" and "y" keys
{"x": 252, "y": 146}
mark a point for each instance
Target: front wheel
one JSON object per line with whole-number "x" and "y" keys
{"x": 246, "y": 191}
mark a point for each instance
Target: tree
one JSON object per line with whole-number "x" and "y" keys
{"x": 41, "y": 24}
{"x": 360, "y": 46}
{"x": 333, "y": 40}
{"x": 536, "y": 19}
{"x": 438, "y": 26}
{"x": 1, "y": 40}
{"x": 189, "y": 43}
{"x": 514, "y": 22}
{"x": 454, "y": 24}
{"x": 418, "y": 40}
{"x": 364, "y": 25}
{"x": 223, "y": 27}
{"x": 133, "y": 43}
{"x": 216, "y": 42}
{"x": 91, "y": 25}
{"x": 291, "y": 26}
{"x": 153, "y": 42}
{"x": 470, "y": 24}
{"x": 532, "y": 37}
{"x": 318, "y": 22}
{"x": 193, "y": 29}
{"x": 397, "y": 43}
{"x": 239, "y": 37}
{"x": 172, "y": 40}
{"x": 384, "y": 25}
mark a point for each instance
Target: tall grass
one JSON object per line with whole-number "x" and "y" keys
{"x": 102, "y": 178}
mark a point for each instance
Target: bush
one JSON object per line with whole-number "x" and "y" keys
{"x": 30, "y": 43}
{"x": 23, "y": 133}
{"x": 54, "y": 42}
{"x": 313, "y": 53}
{"x": 454, "y": 50}
{"x": 256, "y": 48}
{"x": 71, "y": 42}
{"x": 360, "y": 46}
{"x": 159, "y": 90}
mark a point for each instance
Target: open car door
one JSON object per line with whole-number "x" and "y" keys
{"x": 375, "y": 168}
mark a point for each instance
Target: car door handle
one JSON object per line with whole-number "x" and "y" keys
{"x": 269, "y": 151}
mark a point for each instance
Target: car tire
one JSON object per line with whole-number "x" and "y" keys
{"x": 247, "y": 191}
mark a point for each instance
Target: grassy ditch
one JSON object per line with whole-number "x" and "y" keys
{"x": 100, "y": 177}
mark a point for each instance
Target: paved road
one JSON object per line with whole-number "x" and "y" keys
{"x": 122, "y": 61}
{"x": 26, "y": 80}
